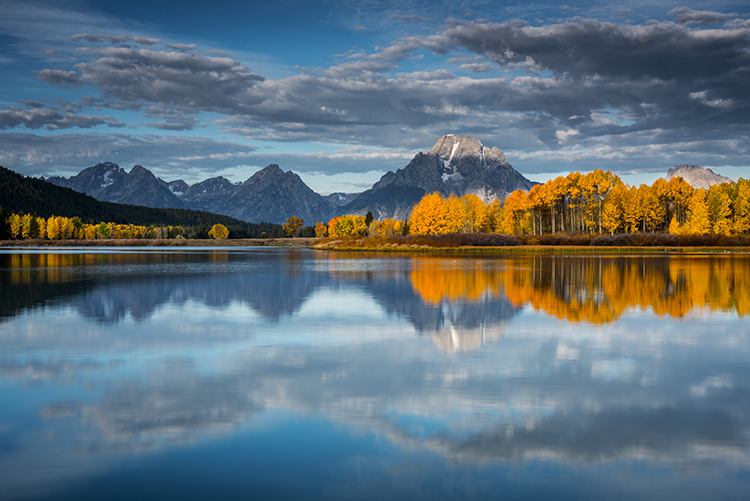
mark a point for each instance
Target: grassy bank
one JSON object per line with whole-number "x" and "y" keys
{"x": 148, "y": 242}
{"x": 545, "y": 244}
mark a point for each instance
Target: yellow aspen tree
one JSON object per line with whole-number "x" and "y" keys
{"x": 741, "y": 208}
{"x": 719, "y": 208}
{"x": 429, "y": 216}
{"x": 15, "y": 226}
{"x": 491, "y": 221}
{"x": 652, "y": 211}
{"x": 455, "y": 215}
{"x": 475, "y": 213}
{"x": 516, "y": 207}
{"x": 41, "y": 224}
{"x": 89, "y": 232}
{"x": 321, "y": 230}
{"x": 698, "y": 220}
{"x": 293, "y": 226}
{"x": 631, "y": 210}
{"x": 29, "y": 228}
{"x": 612, "y": 208}
{"x": 574, "y": 201}
{"x": 219, "y": 232}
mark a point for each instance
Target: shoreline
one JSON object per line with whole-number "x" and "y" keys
{"x": 148, "y": 242}
{"x": 538, "y": 249}
{"x": 360, "y": 246}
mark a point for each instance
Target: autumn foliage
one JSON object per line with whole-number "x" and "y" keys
{"x": 596, "y": 203}
{"x": 30, "y": 227}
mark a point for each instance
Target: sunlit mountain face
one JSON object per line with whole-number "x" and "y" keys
{"x": 223, "y": 371}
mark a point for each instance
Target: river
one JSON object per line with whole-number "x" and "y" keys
{"x": 263, "y": 373}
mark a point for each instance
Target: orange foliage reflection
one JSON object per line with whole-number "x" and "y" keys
{"x": 438, "y": 279}
{"x": 596, "y": 289}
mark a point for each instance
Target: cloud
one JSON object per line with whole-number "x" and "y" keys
{"x": 119, "y": 39}
{"x": 184, "y": 123}
{"x": 677, "y": 78}
{"x": 51, "y": 119}
{"x": 70, "y": 152}
{"x": 182, "y": 47}
{"x": 60, "y": 78}
{"x": 685, "y": 15}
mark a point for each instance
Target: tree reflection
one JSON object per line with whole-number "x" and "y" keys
{"x": 597, "y": 289}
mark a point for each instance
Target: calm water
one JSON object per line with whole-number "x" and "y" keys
{"x": 283, "y": 374}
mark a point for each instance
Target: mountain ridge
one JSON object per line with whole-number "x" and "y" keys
{"x": 696, "y": 176}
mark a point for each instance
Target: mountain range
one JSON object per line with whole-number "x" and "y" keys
{"x": 458, "y": 165}
{"x": 455, "y": 164}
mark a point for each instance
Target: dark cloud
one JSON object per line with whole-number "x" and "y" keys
{"x": 60, "y": 78}
{"x": 685, "y": 15}
{"x": 135, "y": 77}
{"x": 51, "y": 119}
{"x": 182, "y": 47}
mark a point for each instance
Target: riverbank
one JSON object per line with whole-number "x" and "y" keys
{"x": 548, "y": 244}
{"x": 153, "y": 242}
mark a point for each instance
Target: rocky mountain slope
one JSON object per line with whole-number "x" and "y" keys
{"x": 270, "y": 195}
{"x": 697, "y": 177}
{"x": 455, "y": 164}
{"x": 108, "y": 182}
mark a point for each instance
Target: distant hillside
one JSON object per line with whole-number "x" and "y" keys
{"x": 26, "y": 195}
{"x": 697, "y": 177}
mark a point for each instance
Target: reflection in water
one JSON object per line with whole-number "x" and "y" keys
{"x": 600, "y": 289}
{"x": 161, "y": 356}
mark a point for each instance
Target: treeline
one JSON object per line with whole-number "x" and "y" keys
{"x": 597, "y": 203}
{"x": 23, "y": 195}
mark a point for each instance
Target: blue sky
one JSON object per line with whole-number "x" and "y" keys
{"x": 342, "y": 91}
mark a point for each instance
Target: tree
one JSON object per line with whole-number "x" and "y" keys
{"x": 429, "y": 216}
{"x": 348, "y": 224}
{"x": 321, "y": 230}
{"x": 612, "y": 208}
{"x": 219, "y": 232}
{"x": 741, "y": 206}
{"x": 719, "y": 208}
{"x": 368, "y": 219}
{"x": 698, "y": 220}
{"x": 516, "y": 209}
{"x": 103, "y": 230}
{"x": 293, "y": 226}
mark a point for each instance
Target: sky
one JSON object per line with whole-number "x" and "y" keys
{"x": 342, "y": 91}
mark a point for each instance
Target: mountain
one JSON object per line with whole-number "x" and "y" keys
{"x": 455, "y": 164}
{"x": 270, "y": 195}
{"x": 697, "y": 177}
{"x": 109, "y": 182}
{"x": 459, "y": 165}
{"x": 27, "y": 195}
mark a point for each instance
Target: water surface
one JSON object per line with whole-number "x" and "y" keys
{"x": 287, "y": 373}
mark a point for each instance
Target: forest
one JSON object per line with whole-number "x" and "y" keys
{"x": 596, "y": 203}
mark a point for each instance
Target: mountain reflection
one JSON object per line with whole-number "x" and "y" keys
{"x": 438, "y": 295}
